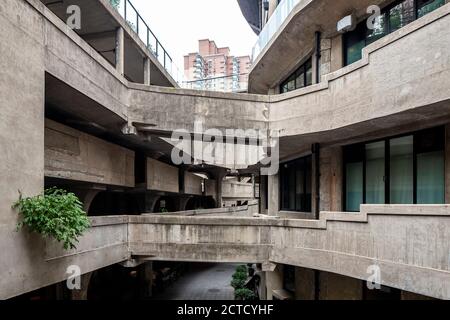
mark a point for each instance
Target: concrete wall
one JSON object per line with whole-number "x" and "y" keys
{"x": 237, "y": 190}
{"x": 410, "y": 244}
{"x": 162, "y": 177}
{"x": 192, "y": 184}
{"x": 73, "y": 155}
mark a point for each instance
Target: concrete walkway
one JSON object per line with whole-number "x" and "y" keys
{"x": 202, "y": 282}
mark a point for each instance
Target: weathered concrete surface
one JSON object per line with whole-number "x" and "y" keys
{"x": 410, "y": 244}
{"x": 162, "y": 177}
{"x": 192, "y": 184}
{"x": 237, "y": 190}
{"x": 73, "y": 155}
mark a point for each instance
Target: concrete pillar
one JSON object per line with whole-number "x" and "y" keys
{"x": 147, "y": 71}
{"x": 146, "y": 280}
{"x": 337, "y": 53}
{"x": 273, "y": 195}
{"x": 120, "y": 51}
{"x": 219, "y": 174}
{"x": 325, "y": 56}
{"x": 274, "y": 281}
{"x": 262, "y": 194}
{"x": 82, "y": 294}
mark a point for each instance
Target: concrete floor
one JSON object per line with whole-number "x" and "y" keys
{"x": 202, "y": 282}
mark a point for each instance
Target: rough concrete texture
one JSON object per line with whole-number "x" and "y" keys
{"x": 385, "y": 89}
{"x": 161, "y": 176}
{"x": 192, "y": 184}
{"x": 73, "y": 155}
{"x": 237, "y": 190}
{"x": 410, "y": 244}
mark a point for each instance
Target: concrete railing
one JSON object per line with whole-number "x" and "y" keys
{"x": 409, "y": 243}
{"x": 237, "y": 190}
{"x": 339, "y": 101}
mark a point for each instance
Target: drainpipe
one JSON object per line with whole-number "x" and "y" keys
{"x": 316, "y": 152}
{"x": 318, "y": 37}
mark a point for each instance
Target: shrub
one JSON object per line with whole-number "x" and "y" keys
{"x": 244, "y": 294}
{"x": 241, "y": 269}
{"x": 237, "y": 283}
{"x": 55, "y": 213}
{"x": 240, "y": 275}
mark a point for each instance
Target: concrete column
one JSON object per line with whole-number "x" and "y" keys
{"x": 146, "y": 280}
{"x": 219, "y": 174}
{"x": 120, "y": 51}
{"x": 262, "y": 194}
{"x": 82, "y": 294}
{"x": 274, "y": 281}
{"x": 273, "y": 195}
{"x": 337, "y": 53}
{"x": 147, "y": 71}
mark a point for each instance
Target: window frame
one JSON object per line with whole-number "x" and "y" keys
{"x": 301, "y": 70}
{"x": 384, "y": 11}
{"x": 440, "y": 131}
{"x": 303, "y": 161}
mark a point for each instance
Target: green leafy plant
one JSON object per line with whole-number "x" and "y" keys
{"x": 237, "y": 283}
{"x": 55, "y": 213}
{"x": 244, "y": 294}
{"x": 241, "y": 268}
{"x": 240, "y": 275}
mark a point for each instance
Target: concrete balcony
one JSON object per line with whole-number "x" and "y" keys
{"x": 410, "y": 244}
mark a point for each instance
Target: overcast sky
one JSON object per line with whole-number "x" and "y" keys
{"x": 178, "y": 24}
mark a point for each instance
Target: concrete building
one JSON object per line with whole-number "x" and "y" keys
{"x": 213, "y": 68}
{"x": 361, "y": 120}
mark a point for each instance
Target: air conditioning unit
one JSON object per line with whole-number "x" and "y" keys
{"x": 346, "y": 24}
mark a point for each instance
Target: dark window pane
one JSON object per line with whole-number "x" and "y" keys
{"x": 378, "y": 31}
{"x": 401, "y": 15}
{"x": 295, "y": 183}
{"x": 430, "y": 178}
{"x": 354, "y": 186}
{"x": 426, "y": 6}
{"x": 375, "y": 171}
{"x": 401, "y": 170}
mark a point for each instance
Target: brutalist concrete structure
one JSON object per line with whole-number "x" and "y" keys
{"x": 363, "y": 124}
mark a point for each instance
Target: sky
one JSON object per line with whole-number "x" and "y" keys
{"x": 179, "y": 24}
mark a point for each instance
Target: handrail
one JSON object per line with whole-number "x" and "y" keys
{"x": 276, "y": 20}
{"x": 131, "y": 15}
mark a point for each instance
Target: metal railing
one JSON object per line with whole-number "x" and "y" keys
{"x": 128, "y": 11}
{"x": 230, "y": 83}
{"x": 273, "y": 25}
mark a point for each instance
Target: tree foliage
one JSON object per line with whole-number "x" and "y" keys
{"x": 55, "y": 213}
{"x": 244, "y": 294}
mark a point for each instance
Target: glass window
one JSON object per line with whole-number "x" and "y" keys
{"x": 392, "y": 18}
{"x": 375, "y": 172}
{"x": 301, "y": 78}
{"x": 401, "y": 170}
{"x": 401, "y": 15}
{"x": 426, "y": 6}
{"x": 295, "y": 182}
{"x": 354, "y": 187}
{"x": 404, "y": 170}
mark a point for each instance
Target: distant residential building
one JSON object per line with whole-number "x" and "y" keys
{"x": 214, "y": 68}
